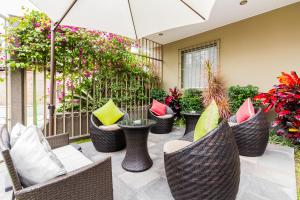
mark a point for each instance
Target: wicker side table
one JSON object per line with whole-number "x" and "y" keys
{"x": 137, "y": 158}
{"x": 191, "y": 119}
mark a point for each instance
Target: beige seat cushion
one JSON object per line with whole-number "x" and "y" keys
{"x": 71, "y": 158}
{"x": 165, "y": 116}
{"x": 232, "y": 123}
{"x": 175, "y": 145}
{"x": 112, "y": 127}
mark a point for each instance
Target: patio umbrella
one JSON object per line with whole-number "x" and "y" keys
{"x": 130, "y": 18}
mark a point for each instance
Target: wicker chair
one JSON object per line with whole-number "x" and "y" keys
{"x": 163, "y": 125}
{"x": 90, "y": 182}
{"x": 251, "y": 135}
{"x": 104, "y": 140}
{"x": 208, "y": 169}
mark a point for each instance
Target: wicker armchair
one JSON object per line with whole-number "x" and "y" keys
{"x": 163, "y": 125}
{"x": 107, "y": 140}
{"x": 252, "y": 135}
{"x": 91, "y": 182}
{"x": 208, "y": 169}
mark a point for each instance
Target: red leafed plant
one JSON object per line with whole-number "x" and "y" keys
{"x": 172, "y": 100}
{"x": 285, "y": 99}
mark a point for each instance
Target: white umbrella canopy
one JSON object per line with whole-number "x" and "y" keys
{"x": 130, "y": 18}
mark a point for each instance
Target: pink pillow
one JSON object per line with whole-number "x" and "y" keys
{"x": 158, "y": 108}
{"x": 245, "y": 112}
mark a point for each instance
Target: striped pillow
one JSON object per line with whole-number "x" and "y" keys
{"x": 245, "y": 112}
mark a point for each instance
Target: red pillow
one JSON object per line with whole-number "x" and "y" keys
{"x": 245, "y": 112}
{"x": 158, "y": 108}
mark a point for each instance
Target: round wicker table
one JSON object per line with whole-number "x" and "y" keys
{"x": 137, "y": 158}
{"x": 191, "y": 119}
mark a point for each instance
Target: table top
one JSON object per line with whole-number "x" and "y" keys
{"x": 139, "y": 123}
{"x": 191, "y": 113}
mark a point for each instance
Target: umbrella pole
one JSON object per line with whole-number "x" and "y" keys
{"x": 51, "y": 106}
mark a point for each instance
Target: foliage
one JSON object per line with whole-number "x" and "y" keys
{"x": 238, "y": 94}
{"x": 191, "y": 100}
{"x": 275, "y": 138}
{"x": 158, "y": 94}
{"x": 179, "y": 122}
{"x": 285, "y": 99}
{"x": 217, "y": 92}
{"x": 83, "y": 58}
{"x": 172, "y": 100}
{"x": 80, "y": 141}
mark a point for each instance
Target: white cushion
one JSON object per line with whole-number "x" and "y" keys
{"x": 4, "y": 138}
{"x": 16, "y": 132}
{"x": 19, "y": 129}
{"x": 34, "y": 161}
{"x": 6, "y": 181}
{"x": 175, "y": 145}
{"x": 112, "y": 127}
{"x": 71, "y": 158}
{"x": 232, "y": 123}
{"x": 165, "y": 116}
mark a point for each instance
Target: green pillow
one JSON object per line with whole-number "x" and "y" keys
{"x": 208, "y": 121}
{"x": 108, "y": 114}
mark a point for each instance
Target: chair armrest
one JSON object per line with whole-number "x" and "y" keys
{"x": 58, "y": 140}
{"x": 91, "y": 182}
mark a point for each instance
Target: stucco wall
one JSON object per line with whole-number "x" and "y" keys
{"x": 252, "y": 51}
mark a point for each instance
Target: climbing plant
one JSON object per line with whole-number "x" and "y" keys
{"x": 92, "y": 66}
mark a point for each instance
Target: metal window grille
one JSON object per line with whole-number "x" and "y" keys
{"x": 192, "y": 64}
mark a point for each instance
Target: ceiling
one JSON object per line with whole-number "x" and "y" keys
{"x": 224, "y": 12}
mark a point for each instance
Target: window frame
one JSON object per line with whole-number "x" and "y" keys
{"x": 196, "y": 48}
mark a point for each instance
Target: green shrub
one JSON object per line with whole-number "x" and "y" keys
{"x": 158, "y": 94}
{"x": 191, "y": 100}
{"x": 238, "y": 94}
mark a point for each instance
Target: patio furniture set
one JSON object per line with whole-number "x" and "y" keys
{"x": 205, "y": 169}
{"x": 132, "y": 135}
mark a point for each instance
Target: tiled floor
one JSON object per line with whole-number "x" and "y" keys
{"x": 270, "y": 177}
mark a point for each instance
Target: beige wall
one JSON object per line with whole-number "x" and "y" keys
{"x": 252, "y": 51}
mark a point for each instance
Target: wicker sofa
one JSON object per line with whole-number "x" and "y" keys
{"x": 163, "y": 124}
{"x": 208, "y": 169}
{"x": 251, "y": 135}
{"x": 107, "y": 140}
{"x": 90, "y": 182}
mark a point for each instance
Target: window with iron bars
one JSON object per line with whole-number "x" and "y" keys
{"x": 193, "y": 59}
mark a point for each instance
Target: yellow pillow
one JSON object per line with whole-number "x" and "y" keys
{"x": 108, "y": 114}
{"x": 208, "y": 121}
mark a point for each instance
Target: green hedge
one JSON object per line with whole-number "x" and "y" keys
{"x": 191, "y": 100}
{"x": 238, "y": 94}
{"x": 158, "y": 94}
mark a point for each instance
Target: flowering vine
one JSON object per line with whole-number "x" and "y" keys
{"x": 83, "y": 57}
